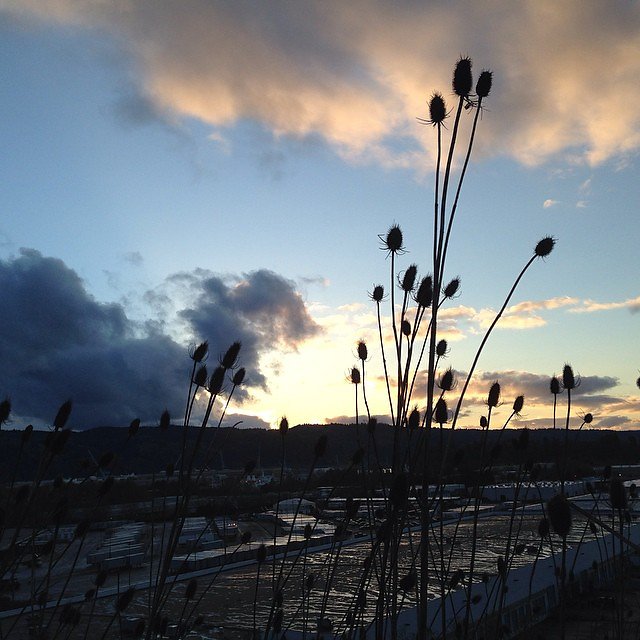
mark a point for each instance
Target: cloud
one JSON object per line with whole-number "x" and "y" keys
{"x": 357, "y": 74}
{"x": 582, "y": 204}
{"x": 134, "y": 258}
{"x": 549, "y": 203}
{"x": 57, "y": 341}
{"x": 590, "y": 306}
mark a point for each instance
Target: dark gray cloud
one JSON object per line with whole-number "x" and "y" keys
{"x": 58, "y": 342}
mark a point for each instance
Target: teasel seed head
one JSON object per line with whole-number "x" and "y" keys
{"x": 638, "y": 383}
{"x": 545, "y": 247}
{"x": 125, "y": 600}
{"x": 543, "y": 528}
{"x": 134, "y": 425}
{"x": 483, "y": 86}
{"x": 484, "y": 423}
{"x": 452, "y": 288}
{"x": 462, "y": 79}
{"x": 408, "y": 280}
{"x": 321, "y": 446}
{"x": 437, "y": 110}
{"x": 216, "y": 381}
{"x": 26, "y": 434}
{"x": 405, "y": 327}
{"x": 408, "y": 582}
{"x": 587, "y": 418}
{"x": 413, "y": 422}
{"x": 448, "y": 380}
{"x": 363, "y": 353}
{"x": 230, "y": 358}
{"x": 199, "y": 353}
{"x": 5, "y": 411}
{"x": 283, "y": 427}
{"x": 392, "y": 242}
{"x": 560, "y": 515}
{"x": 617, "y": 494}
{"x": 424, "y": 294}
{"x": 238, "y": 376}
{"x": 262, "y": 553}
{"x": 493, "y": 398}
{"x": 442, "y": 348}
{"x": 441, "y": 413}
{"x": 165, "y": 420}
{"x": 200, "y": 377}
{"x": 63, "y": 415}
{"x": 568, "y": 378}
{"x": 554, "y": 386}
{"x": 354, "y": 375}
{"x": 308, "y": 530}
{"x": 518, "y": 403}
{"x": 377, "y": 294}
{"x": 246, "y": 537}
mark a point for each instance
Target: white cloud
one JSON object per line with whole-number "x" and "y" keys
{"x": 549, "y": 203}
{"x": 582, "y": 204}
{"x": 357, "y": 74}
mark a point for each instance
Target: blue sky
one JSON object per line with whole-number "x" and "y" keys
{"x": 164, "y": 160}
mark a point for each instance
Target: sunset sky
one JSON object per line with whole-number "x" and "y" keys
{"x": 180, "y": 171}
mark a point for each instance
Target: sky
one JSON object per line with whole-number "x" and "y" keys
{"x": 174, "y": 172}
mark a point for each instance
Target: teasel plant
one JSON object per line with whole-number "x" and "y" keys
{"x": 413, "y": 376}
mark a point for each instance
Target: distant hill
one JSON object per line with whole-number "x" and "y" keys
{"x": 151, "y": 449}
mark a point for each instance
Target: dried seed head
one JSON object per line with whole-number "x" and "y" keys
{"x": 587, "y": 418}
{"x": 638, "y": 383}
{"x": 554, "y": 386}
{"x": 321, "y": 446}
{"x": 462, "y": 78}
{"x": 262, "y": 553}
{"x": 362, "y": 350}
{"x": 437, "y": 110}
{"x": 125, "y": 600}
{"x": 484, "y": 423}
{"x": 424, "y": 295}
{"x": 26, "y": 434}
{"x": 493, "y": 399}
{"x": 441, "y": 413}
{"x": 82, "y": 529}
{"x": 246, "y": 537}
{"x": 447, "y": 380}
{"x": 106, "y": 459}
{"x": 238, "y": 376}
{"x": 442, "y": 348}
{"x": 230, "y": 358}
{"x": 408, "y": 582}
{"x": 413, "y": 421}
{"x": 544, "y": 247}
{"x": 560, "y": 515}
{"x": 5, "y": 411}
{"x": 284, "y": 425}
{"x": 309, "y": 582}
{"x": 216, "y": 381}
{"x": 452, "y": 288}
{"x": 133, "y": 427}
{"x": 354, "y": 375}
{"x": 89, "y": 594}
{"x": 568, "y": 379}
{"x": 308, "y": 530}
{"x": 483, "y": 86}
{"x": 543, "y": 528}
{"x": 617, "y": 494}
{"x": 405, "y": 327}
{"x": 199, "y": 353}
{"x": 200, "y": 377}
{"x": 277, "y": 620}
{"x": 378, "y": 293}
{"x": 408, "y": 280}
{"x": 63, "y": 415}
{"x": 165, "y": 419}
{"x": 392, "y": 242}
{"x": 518, "y": 403}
